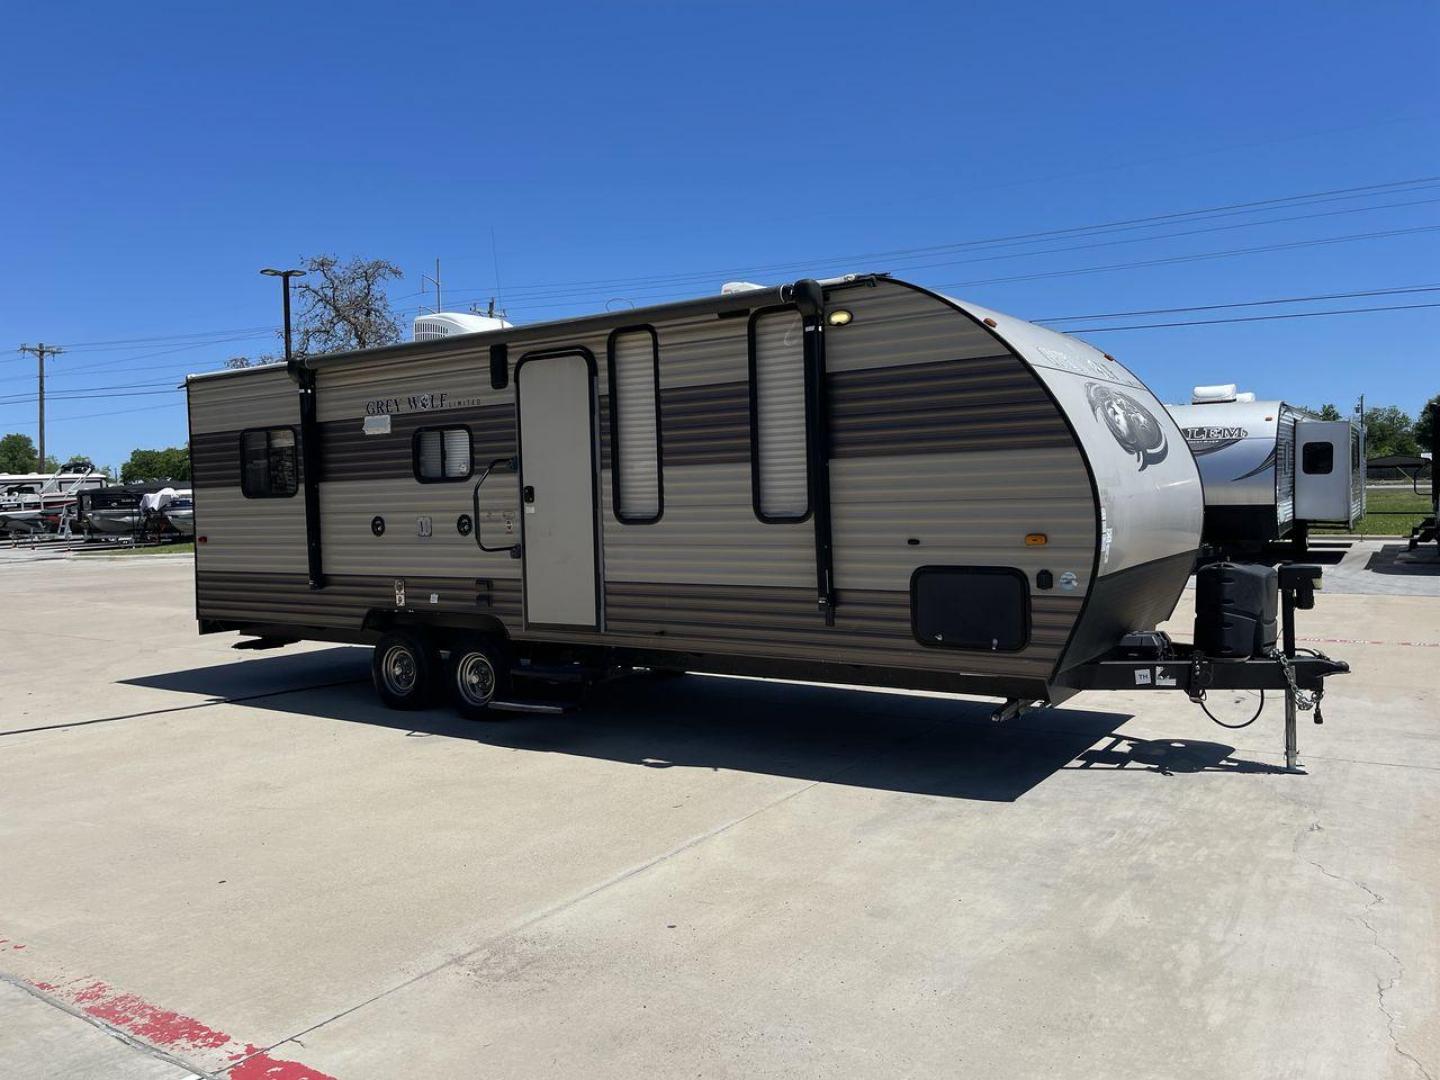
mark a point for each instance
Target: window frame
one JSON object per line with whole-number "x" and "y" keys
{"x": 1328, "y": 458}
{"x": 754, "y": 392}
{"x": 442, "y": 478}
{"x": 614, "y": 417}
{"x": 269, "y": 430}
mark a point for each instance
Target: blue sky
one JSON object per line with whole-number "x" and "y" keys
{"x": 159, "y": 154}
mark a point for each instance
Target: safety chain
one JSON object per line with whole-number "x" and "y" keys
{"x": 1303, "y": 701}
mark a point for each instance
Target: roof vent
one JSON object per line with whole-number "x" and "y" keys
{"x": 1210, "y": 395}
{"x": 449, "y": 323}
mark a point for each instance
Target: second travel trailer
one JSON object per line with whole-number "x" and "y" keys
{"x": 1271, "y": 469}
{"x": 855, "y": 481}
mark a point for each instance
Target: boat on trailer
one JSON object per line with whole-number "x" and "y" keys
{"x": 28, "y": 507}
{"x": 856, "y": 480}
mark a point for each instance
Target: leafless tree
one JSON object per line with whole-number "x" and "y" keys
{"x": 344, "y": 306}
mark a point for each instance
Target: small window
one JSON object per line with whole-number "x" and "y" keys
{"x": 780, "y": 467}
{"x": 970, "y": 607}
{"x": 635, "y": 426}
{"x": 1317, "y": 458}
{"x": 442, "y": 454}
{"x": 269, "y": 468}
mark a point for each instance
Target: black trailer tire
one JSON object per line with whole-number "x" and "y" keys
{"x": 478, "y": 673}
{"x": 404, "y": 668}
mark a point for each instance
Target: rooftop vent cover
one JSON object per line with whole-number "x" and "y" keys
{"x": 449, "y": 323}
{"x": 1209, "y": 395}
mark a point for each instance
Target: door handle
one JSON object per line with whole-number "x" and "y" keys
{"x": 509, "y": 463}
{"x": 528, "y": 494}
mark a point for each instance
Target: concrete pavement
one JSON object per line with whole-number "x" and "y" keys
{"x": 246, "y": 861}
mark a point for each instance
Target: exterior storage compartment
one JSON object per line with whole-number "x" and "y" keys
{"x": 1236, "y": 609}
{"x": 970, "y": 607}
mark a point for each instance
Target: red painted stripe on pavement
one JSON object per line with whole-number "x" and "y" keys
{"x": 1367, "y": 641}
{"x": 170, "y": 1031}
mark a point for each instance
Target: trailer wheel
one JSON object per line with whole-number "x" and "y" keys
{"x": 478, "y": 673}
{"x": 404, "y": 669}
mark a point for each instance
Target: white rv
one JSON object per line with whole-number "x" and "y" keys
{"x": 1271, "y": 470}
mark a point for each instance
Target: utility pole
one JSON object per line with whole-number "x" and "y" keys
{"x": 41, "y": 351}
{"x": 436, "y": 281}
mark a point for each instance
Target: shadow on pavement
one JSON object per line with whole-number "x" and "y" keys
{"x": 1399, "y": 559}
{"x": 933, "y": 746}
{"x": 1168, "y": 756}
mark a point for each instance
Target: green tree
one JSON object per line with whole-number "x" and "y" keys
{"x": 1425, "y": 425}
{"x": 145, "y": 466}
{"x": 1389, "y": 430}
{"x": 1330, "y": 412}
{"x": 17, "y": 454}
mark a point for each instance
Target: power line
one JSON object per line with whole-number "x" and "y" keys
{"x": 1400, "y": 290}
{"x": 1255, "y": 206}
{"x": 1248, "y": 318}
{"x": 1199, "y": 257}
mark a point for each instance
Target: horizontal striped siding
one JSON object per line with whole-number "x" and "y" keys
{"x": 347, "y": 453}
{"x": 287, "y": 598}
{"x": 988, "y": 403}
{"x": 871, "y": 627}
{"x": 258, "y": 398}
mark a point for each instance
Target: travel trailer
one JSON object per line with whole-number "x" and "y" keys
{"x": 855, "y": 481}
{"x": 1271, "y": 469}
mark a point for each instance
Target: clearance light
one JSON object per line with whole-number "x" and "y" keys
{"x": 991, "y": 322}
{"x": 1036, "y": 539}
{"x": 839, "y": 317}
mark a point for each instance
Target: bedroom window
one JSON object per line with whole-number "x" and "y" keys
{"x": 779, "y": 463}
{"x": 441, "y": 454}
{"x": 1317, "y": 458}
{"x": 269, "y": 468}
{"x": 634, "y": 362}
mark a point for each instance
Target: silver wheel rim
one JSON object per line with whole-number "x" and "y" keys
{"x": 475, "y": 679}
{"x": 400, "y": 671}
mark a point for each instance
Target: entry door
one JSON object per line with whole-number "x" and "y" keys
{"x": 557, "y": 489}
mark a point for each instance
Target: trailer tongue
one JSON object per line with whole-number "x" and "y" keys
{"x": 1151, "y": 661}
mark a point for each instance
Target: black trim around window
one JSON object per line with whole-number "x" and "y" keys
{"x": 294, "y": 485}
{"x": 616, "y": 501}
{"x": 442, "y": 478}
{"x": 768, "y": 519}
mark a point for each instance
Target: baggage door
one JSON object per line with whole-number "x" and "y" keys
{"x": 556, "y": 403}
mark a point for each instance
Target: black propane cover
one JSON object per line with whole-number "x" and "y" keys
{"x": 1236, "y": 606}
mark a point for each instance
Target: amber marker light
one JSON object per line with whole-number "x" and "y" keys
{"x": 1036, "y": 539}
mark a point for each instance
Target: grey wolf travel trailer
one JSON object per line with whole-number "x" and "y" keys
{"x": 1270, "y": 469}
{"x": 855, "y": 481}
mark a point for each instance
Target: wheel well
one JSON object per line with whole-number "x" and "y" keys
{"x": 440, "y": 629}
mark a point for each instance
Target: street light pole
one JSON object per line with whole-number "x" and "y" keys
{"x": 309, "y": 437}
{"x": 285, "y": 276}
